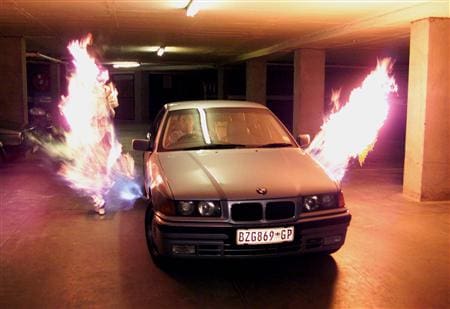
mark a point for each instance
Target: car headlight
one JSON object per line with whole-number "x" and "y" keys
{"x": 311, "y": 203}
{"x": 321, "y": 202}
{"x": 328, "y": 201}
{"x": 208, "y": 209}
{"x": 166, "y": 207}
{"x": 185, "y": 208}
{"x": 199, "y": 208}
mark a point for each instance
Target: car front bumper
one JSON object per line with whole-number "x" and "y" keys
{"x": 218, "y": 240}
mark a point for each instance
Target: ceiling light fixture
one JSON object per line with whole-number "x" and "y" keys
{"x": 192, "y": 8}
{"x": 125, "y": 64}
{"x": 161, "y": 51}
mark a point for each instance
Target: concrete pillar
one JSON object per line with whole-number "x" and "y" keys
{"x": 309, "y": 85}
{"x": 427, "y": 153}
{"x": 256, "y": 80}
{"x": 13, "y": 82}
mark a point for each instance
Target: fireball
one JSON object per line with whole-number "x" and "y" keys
{"x": 90, "y": 155}
{"x": 351, "y": 131}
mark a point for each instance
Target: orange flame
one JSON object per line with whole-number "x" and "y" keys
{"x": 91, "y": 155}
{"x": 335, "y": 95}
{"x": 352, "y": 130}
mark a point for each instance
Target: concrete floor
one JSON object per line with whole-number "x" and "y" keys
{"x": 55, "y": 252}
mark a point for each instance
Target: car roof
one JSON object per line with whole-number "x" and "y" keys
{"x": 210, "y": 104}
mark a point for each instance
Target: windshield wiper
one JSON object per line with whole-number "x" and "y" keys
{"x": 215, "y": 146}
{"x": 275, "y": 145}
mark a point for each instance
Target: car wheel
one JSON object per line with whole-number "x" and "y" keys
{"x": 158, "y": 260}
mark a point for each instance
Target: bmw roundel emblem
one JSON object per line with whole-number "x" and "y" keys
{"x": 261, "y": 190}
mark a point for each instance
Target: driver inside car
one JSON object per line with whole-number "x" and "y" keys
{"x": 184, "y": 127}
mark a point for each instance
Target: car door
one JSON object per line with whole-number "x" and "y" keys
{"x": 152, "y": 136}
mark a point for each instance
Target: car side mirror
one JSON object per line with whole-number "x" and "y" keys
{"x": 142, "y": 144}
{"x": 303, "y": 140}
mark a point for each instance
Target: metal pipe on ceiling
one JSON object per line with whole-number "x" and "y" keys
{"x": 39, "y": 55}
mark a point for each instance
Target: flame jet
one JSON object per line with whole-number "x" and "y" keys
{"x": 352, "y": 130}
{"x": 91, "y": 156}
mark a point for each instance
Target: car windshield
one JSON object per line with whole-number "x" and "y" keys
{"x": 220, "y": 128}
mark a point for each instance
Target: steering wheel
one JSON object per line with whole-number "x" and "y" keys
{"x": 188, "y": 138}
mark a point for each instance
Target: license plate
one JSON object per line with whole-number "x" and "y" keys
{"x": 264, "y": 236}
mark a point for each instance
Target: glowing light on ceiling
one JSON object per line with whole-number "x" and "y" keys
{"x": 192, "y": 8}
{"x": 154, "y": 49}
{"x": 125, "y": 64}
{"x": 352, "y": 130}
{"x": 178, "y": 4}
{"x": 161, "y": 51}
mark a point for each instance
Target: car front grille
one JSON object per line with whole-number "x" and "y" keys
{"x": 246, "y": 211}
{"x": 280, "y": 210}
{"x": 271, "y": 210}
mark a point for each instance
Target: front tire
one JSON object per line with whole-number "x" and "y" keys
{"x": 159, "y": 260}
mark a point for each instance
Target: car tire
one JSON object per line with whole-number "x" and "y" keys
{"x": 159, "y": 260}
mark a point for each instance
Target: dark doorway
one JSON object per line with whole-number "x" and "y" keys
{"x": 180, "y": 86}
{"x": 125, "y": 86}
{"x": 280, "y": 89}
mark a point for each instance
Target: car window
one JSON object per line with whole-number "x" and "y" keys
{"x": 181, "y": 129}
{"x": 223, "y": 128}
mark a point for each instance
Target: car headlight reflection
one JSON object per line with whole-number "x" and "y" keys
{"x": 199, "y": 208}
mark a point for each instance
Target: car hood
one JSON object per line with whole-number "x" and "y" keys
{"x": 235, "y": 174}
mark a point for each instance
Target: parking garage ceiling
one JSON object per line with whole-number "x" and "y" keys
{"x": 221, "y": 32}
